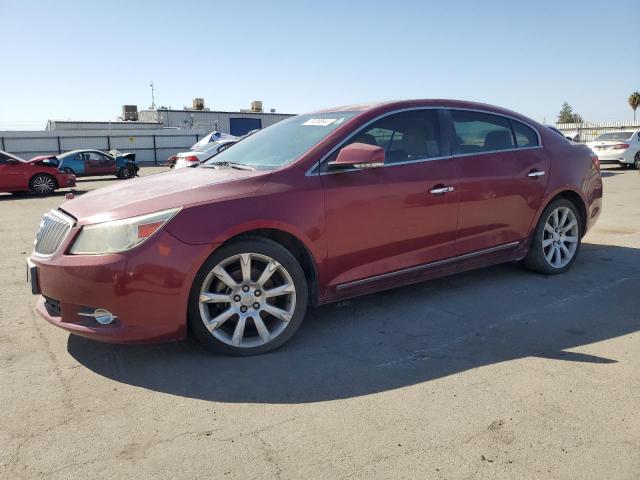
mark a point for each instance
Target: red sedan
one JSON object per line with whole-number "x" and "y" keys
{"x": 316, "y": 208}
{"x": 39, "y": 175}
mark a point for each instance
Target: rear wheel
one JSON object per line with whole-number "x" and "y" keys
{"x": 556, "y": 240}
{"x": 636, "y": 163}
{"x": 43, "y": 184}
{"x": 248, "y": 298}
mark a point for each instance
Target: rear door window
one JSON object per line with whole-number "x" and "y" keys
{"x": 525, "y": 136}
{"x": 477, "y": 132}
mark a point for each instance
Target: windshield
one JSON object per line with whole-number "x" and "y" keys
{"x": 282, "y": 143}
{"x": 615, "y": 136}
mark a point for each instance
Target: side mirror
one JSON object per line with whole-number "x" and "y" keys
{"x": 360, "y": 155}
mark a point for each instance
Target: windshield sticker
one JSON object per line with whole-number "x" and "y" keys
{"x": 320, "y": 122}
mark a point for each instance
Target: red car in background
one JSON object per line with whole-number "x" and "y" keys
{"x": 39, "y": 175}
{"x": 316, "y": 208}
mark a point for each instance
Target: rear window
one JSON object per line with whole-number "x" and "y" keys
{"x": 615, "y": 136}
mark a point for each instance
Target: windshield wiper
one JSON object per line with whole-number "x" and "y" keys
{"x": 237, "y": 166}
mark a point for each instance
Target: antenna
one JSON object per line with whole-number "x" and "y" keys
{"x": 153, "y": 98}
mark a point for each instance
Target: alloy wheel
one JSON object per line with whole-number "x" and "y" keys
{"x": 43, "y": 184}
{"x": 560, "y": 237}
{"x": 247, "y": 300}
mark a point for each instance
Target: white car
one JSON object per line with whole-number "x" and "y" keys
{"x": 622, "y": 148}
{"x": 199, "y": 154}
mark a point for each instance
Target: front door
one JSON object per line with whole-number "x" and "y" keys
{"x": 385, "y": 219}
{"x": 503, "y": 176}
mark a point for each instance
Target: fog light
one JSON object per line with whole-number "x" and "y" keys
{"x": 100, "y": 315}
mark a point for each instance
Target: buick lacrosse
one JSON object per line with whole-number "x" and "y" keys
{"x": 316, "y": 208}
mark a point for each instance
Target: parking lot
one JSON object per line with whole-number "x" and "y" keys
{"x": 496, "y": 373}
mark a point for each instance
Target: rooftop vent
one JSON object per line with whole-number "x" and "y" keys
{"x": 256, "y": 106}
{"x": 198, "y": 103}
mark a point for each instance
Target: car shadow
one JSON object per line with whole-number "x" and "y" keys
{"x": 404, "y": 336}
{"x": 31, "y": 196}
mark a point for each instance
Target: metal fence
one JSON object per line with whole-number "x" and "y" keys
{"x": 587, "y": 131}
{"x": 150, "y": 148}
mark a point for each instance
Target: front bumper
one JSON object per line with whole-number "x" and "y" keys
{"x": 147, "y": 288}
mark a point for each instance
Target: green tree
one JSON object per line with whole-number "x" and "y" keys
{"x": 567, "y": 115}
{"x": 634, "y": 103}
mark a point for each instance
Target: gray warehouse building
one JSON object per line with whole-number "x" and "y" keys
{"x": 235, "y": 123}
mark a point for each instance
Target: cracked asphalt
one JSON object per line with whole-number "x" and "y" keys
{"x": 493, "y": 374}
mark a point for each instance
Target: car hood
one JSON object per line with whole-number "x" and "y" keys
{"x": 156, "y": 192}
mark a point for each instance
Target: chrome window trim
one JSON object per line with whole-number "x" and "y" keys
{"x": 311, "y": 171}
{"x": 425, "y": 266}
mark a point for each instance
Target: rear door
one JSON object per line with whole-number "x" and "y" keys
{"x": 96, "y": 163}
{"x": 503, "y": 176}
{"x": 386, "y": 219}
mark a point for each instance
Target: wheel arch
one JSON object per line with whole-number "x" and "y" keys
{"x": 574, "y": 197}
{"x": 294, "y": 245}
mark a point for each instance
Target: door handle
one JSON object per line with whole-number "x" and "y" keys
{"x": 440, "y": 189}
{"x": 536, "y": 173}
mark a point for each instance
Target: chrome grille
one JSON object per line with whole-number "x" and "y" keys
{"x": 54, "y": 228}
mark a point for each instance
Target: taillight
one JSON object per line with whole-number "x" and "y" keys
{"x": 595, "y": 160}
{"x": 191, "y": 158}
{"x": 620, "y": 146}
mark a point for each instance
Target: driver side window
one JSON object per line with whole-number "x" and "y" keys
{"x": 405, "y": 137}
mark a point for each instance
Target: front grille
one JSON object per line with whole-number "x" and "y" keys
{"x": 54, "y": 228}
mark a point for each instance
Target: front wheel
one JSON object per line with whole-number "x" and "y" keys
{"x": 42, "y": 184}
{"x": 556, "y": 240}
{"x": 126, "y": 172}
{"x": 248, "y": 298}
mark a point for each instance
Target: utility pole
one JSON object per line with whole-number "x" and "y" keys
{"x": 153, "y": 98}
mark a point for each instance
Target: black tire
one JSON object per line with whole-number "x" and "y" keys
{"x": 636, "y": 164}
{"x": 535, "y": 259}
{"x": 43, "y": 184}
{"x": 259, "y": 246}
{"x": 125, "y": 173}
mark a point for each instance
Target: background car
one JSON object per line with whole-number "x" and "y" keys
{"x": 622, "y": 148}
{"x": 85, "y": 163}
{"x": 201, "y": 154}
{"x": 38, "y": 175}
{"x": 212, "y": 137}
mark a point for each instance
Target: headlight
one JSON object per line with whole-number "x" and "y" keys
{"x": 119, "y": 235}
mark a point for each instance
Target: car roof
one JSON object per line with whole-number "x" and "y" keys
{"x": 383, "y": 107}
{"x": 73, "y": 152}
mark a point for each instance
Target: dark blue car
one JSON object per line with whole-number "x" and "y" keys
{"x": 84, "y": 163}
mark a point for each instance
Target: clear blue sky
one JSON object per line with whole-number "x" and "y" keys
{"x": 84, "y": 59}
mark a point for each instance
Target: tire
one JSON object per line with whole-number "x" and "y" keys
{"x": 222, "y": 314}
{"x": 125, "y": 173}
{"x": 540, "y": 257}
{"x": 636, "y": 164}
{"x": 43, "y": 184}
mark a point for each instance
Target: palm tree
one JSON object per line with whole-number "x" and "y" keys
{"x": 634, "y": 103}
